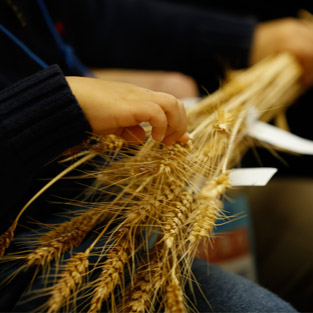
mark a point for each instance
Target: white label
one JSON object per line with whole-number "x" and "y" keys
{"x": 251, "y": 176}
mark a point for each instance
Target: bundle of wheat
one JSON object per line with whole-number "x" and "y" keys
{"x": 163, "y": 200}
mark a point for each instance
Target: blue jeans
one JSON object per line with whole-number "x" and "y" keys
{"x": 222, "y": 291}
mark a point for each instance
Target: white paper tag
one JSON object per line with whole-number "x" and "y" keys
{"x": 251, "y": 176}
{"x": 280, "y": 138}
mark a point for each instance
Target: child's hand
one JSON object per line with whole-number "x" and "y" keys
{"x": 119, "y": 108}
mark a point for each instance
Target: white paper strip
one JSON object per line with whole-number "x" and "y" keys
{"x": 280, "y": 138}
{"x": 251, "y": 176}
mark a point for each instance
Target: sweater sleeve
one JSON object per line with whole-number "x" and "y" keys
{"x": 39, "y": 118}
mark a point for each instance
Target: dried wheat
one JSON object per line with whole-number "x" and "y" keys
{"x": 208, "y": 208}
{"x": 174, "y": 296}
{"x": 111, "y": 275}
{"x": 6, "y": 238}
{"x": 64, "y": 237}
{"x": 171, "y": 191}
{"x": 70, "y": 280}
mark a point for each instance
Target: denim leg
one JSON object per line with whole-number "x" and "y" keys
{"x": 222, "y": 291}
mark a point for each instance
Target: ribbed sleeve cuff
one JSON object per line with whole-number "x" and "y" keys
{"x": 40, "y": 118}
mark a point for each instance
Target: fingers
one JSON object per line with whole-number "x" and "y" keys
{"x": 167, "y": 118}
{"x": 176, "y": 118}
{"x": 177, "y": 125}
{"x": 158, "y": 122}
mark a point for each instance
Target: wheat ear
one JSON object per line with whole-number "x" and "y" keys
{"x": 79, "y": 261}
{"x": 176, "y": 217}
{"x": 111, "y": 274}
{"x": 208, "y": 208}
{"x": 6, "y": 238}
{"x": 174, "y": 296}
{"x": 64, "y": 237}
{"x": 71, "y": 279}
{"x": 140, "y": 296}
